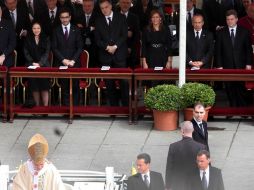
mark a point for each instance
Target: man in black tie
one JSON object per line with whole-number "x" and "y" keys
{"x": 200, "y": 133}
{"x": 191, "y": 11}
{"x": 233, "y": 51}
{"x": 145, "y": 179}
{"x": 199, "y": 45}
{"x": 110, "y": 36}
{"x": 205, "y": 177}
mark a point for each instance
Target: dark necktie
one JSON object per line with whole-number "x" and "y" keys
{"x": 146, "y": 181}
{"x": 52, "y": 17}
{"x": 232, "y": 36}
{"x": 202, "y": 129}
{"x": 197, "y": 36}
{"x": 87, "y": 20}
{"x": 189, "y": 17}
{"x": 30, "y": 9}
{"x": 13, "y": 19}
{"x": 204, "y": 181}
{"x": 66, "y": 35}
{"x": 109, "y": 21}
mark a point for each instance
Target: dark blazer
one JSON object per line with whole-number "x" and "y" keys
{"x": 48, "y": 26}
{"x": 200, "y": 50}
{"x": 37, "y": 53}
{"x": 181, "y": 161}
{"x": 39, "y": 6}
{"x": 133, "y": 26}
{"x": 7, "y": 41}
{"x": 114, "y": 35}
{"x": 86, "y": 31}
{"x": 197, "y": 134}
{"x": 67, "y": 49}
{"x": 215, "y": 180}
{"x": 136, "y": 182}
{"x": 233, "y": 57}
{"x": 22, "y": 21}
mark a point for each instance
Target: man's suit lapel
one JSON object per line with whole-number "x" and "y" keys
{"x": 142, "y": 183}
{"x": 212, "y": 180}
{"x": 198, "y": 129}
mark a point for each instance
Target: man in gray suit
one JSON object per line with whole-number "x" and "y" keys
{"x": 182, "y": 158}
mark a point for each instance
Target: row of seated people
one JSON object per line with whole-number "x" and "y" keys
{"x": 110, "y": 34}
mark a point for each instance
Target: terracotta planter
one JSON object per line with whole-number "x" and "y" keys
{"x": 188, "y": 113}
{"x": 165, "y": 120}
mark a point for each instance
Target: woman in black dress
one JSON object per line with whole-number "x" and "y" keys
{"x": 156, "y": 43}
{"x": 36, "y": 50}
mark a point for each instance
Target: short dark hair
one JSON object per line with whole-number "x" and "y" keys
{"x": 198, "y": 104}
{"x": 204, "y": 152}
{"x": 144, "y": 156}
{"x": 102, "y": 1}
{"x": 64, "y": 10}
{"x": 231, "y": 12}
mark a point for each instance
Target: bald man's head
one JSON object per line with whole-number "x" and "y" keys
{"x": 187, "y": 128}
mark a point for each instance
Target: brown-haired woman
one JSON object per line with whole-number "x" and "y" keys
{"x": 156, "y": 43}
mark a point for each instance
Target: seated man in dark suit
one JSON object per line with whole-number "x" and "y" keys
{"x": 110, "y": 36}
{"x": 182, "y": 159}
{"x": 145, "y": 179}
{"x": 199, "y": 45}
{"x": 205, "y": 176}
{"x": 200, "y": 133}
{"x": 67, "y": 46}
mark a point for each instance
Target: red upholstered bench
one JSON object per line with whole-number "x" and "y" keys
{"x": 42, "y": 110}
{"x": 102, "y": 110}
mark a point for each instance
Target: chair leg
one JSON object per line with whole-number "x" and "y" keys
{"x": 85, "y": 100}
{"x": 99, "y": 96}
{"x": 49, "y": 97}
{"x": 60, "y": 96}
{"x": 14, "y": 93}
{"x": 24, "y": 95}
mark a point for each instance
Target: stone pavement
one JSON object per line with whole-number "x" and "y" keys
{"x": 92, "y": 143}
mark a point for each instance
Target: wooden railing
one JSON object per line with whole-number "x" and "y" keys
{"x": 73, "y": 73}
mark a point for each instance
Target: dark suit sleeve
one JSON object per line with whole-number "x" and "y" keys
{"x": 55, "y": 49}
{"x": 169, "y": 167}
{"x": 208, "y": 55}
{"x": 160, "y": 183}
{"x": 130, "y": 184}
{"x": 249, "y": 54}
{"x": 98, "y": 36}
{"x": 124, "y": 32}
{"x": 218, "y": 49}
{"x": 79, "y": 46}
{"x": 29, "y": 59}
{"x": 144, "y": 43}
{"x": 219, "y": 182}
{"x": 168, "y": 43}
{"x": 11, "y": 39}
{"x": 44, "y": 58}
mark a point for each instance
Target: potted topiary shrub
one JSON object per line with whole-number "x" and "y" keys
{"x": 164, "y": 100}
{"x": 196, "y": 92}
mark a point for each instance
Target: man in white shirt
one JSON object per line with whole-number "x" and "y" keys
{"x": 145, "y": 178}
{"x": 206, "y": 176}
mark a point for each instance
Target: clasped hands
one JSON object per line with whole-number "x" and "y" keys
{"x": 69, "y": 63}
{"x": 2, "y": 58}
{"x": 111, "y": 49}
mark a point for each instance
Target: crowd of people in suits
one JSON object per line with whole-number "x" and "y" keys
{"x": 124, "y": 34}
{"x": 188, "y": 162}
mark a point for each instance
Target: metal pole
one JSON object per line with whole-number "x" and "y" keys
{"x": 182, "y": 43}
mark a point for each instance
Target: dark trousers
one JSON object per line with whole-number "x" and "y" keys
{"x": 236, "y": 93}
{"x": 65, "y": 84}
{"x": 112, "y": 94}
